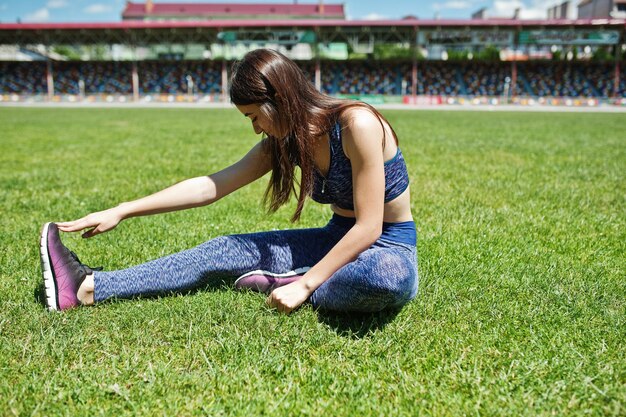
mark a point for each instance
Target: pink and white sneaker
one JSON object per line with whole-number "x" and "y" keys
{"x": 266, "y": 282}
{"x": 62, "y": 271}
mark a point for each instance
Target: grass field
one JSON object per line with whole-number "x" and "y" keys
{"x": 522, "y": 303}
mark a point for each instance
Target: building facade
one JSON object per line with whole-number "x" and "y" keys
{"x": 564, "y": 10}
{"x": 151, "y": 11}
{"x": 602, "y": 9}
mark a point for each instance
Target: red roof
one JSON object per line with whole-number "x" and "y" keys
{"x": 218, "y": 24}
{"x": 138, "y": 10}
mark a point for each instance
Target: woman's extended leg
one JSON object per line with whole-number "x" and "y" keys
{"x": 226, "y": 256}
{"x": 384, "y": 276}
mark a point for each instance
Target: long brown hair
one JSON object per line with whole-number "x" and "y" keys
{"x": 300, "y": 114}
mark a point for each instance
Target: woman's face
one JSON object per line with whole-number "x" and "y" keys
{"x": 260, "y": 123}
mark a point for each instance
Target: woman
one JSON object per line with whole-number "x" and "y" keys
{"x": 364, "y": 259}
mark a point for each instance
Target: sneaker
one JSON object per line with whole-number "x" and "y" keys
{"x": 63, "y": 273}
{"x": 266, "y": 282}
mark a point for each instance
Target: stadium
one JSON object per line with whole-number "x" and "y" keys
{"x": 518, "y": 197}
{"x": 164, "y": 53}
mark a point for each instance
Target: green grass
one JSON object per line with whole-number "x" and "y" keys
{"x": 521, "y": 310}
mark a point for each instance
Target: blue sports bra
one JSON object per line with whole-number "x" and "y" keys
{"x": 336, "y": 188}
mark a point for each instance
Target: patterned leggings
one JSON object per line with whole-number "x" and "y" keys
{"x": 383, "y": 276}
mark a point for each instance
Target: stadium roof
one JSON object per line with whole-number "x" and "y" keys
{"x": 312, "y": 23}
{"x": 152, "y": 32}
{"x": 230, "y": 10}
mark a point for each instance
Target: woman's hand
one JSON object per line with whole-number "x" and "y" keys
{"x": 99, "y": 222}
{"x": 288, "y": 298}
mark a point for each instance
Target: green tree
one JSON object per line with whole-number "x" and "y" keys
{"x": 68, "y": 52}
{"x": 489, "y": 53}
{"x": 392, "y": 51}
{"x": 601, "y": 54}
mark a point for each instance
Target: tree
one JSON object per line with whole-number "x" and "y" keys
{"x": 392, "y": 51}
{"x": 70, "y": 53}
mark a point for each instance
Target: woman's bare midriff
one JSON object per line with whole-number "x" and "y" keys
{"x": 397, "y": 210}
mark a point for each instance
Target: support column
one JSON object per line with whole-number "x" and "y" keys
{"x": 318, "y": 74}
{"x": 318, "y": 67}
{"x": 224, "y": 97}
{"x": 616, "y": 80}
{"x": 135, "y": 82}
{"x": 414, "y": 47}
{"x": 514, "y": 76}
{"x": 49, "y": 79}
{"x": 414, "y": 81}
{"x": 616, "y": 77}
{"x": 513, "y": 86}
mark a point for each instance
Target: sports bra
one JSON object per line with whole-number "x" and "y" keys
{"x": 336, "y": 188}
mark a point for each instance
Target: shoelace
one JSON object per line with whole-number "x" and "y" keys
{"x": 89, "y": 269}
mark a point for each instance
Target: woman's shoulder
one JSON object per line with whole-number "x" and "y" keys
{"x": 358, "y": 121}
{"x": 362, "y": 125}
{"x": 359, "y": 118}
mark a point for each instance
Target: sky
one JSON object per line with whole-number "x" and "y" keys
{"x": 110, "y": 10}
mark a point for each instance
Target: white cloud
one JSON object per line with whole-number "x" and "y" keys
{"x": 40, "y": 15}
{"x": 534, "y": 14}
{"x": 539, "y": 8}
{"x": 56, "y": 4}
{"x": 97, "y": 8}
{"x": 457, "y": 5}
{"x": 506, "y": 8}
{"x": 375, "y": 16}
{"x": 535, "y": 9}
{"x": 453, "y": 5}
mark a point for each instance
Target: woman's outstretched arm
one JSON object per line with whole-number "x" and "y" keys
{"x": 193, "y": 192}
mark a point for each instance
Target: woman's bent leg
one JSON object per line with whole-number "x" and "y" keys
{"x": 384, "y": 276}
{"x": 222, "y": 257}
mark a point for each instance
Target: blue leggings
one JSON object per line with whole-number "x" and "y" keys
{"x": 383, "y": 276}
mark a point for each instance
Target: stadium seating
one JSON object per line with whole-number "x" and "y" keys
{"x": 157, "y": 77}
{"x": 439, "y": 78}
{"x": 361, "y": 78}
{"x": 558, "y": 80}
{"x": 309, "y": 70}
{"x": 485, "y": 79}
{"x": 98, "y": 77}
{"x": 434, "y": 78}
{"x": 23, "y": 78}
{"x": 600, "y": 77}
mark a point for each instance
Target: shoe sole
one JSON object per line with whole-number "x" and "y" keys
{"x": 288, "y": 274}
{"x": 49, "y": 279}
